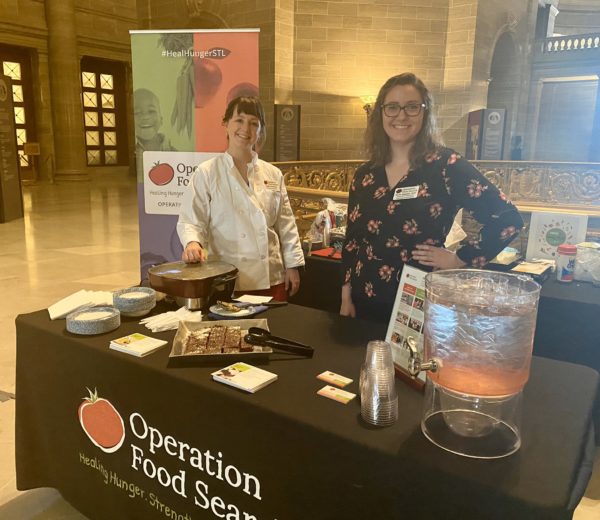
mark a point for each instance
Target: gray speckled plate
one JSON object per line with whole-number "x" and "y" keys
{"x": 93, "y": 320}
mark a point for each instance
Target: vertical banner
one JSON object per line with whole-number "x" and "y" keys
{"x": 474, "y": 129}
{"x": 287, "y": 132}
{"x": 485, "y": 134}
{"x": 182, "y": 83}
{"x": 492, "y": 138}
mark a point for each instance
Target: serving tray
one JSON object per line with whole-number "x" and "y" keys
{"x": 185, "y": 327}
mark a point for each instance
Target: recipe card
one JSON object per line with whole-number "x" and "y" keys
{"x": 334, "y": 379}
{"x": 341, "y": 396}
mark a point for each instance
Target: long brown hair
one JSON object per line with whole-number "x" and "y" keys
{"x": 252, "y": 107}
{"x": 377, "y": 141}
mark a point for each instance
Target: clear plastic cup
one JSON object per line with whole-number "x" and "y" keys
{"x": 378, "y": 396}
{"x": 379, "y": 355}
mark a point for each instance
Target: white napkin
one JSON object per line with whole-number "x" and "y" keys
{"x": 252, "y": 298}
{"x": 79, "y": 300}
{"x": 170, "y": 320}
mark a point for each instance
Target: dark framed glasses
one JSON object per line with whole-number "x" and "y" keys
{"x": 394, "y": 109}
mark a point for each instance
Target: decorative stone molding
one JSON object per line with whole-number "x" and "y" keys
{"x": 532, "y": 186}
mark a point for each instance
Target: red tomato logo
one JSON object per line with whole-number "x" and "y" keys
{"x": 161, "y": 174}
{"x": 101, "y": 422}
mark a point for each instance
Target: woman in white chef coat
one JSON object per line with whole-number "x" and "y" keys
{"x": 237, "y": 210}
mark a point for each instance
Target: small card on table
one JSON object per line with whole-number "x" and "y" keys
{"x": 137, "y": 344}
{"x": 334, "y": 379}
{"x": 341, "y": 396}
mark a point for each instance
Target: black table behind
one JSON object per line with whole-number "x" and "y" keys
{"x": 314, "y": 457}
{"x": 568, "y": 325}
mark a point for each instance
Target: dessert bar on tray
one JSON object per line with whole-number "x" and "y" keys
{"x": 215, "y": 340}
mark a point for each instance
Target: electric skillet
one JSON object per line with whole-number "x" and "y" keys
{"x": 193, "y": 285}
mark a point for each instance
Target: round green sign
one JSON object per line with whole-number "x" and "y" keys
{"x": 556, "y": 237}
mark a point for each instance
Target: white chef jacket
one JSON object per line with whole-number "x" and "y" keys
{"x": 250, "y": 226}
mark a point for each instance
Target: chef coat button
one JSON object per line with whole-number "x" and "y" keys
{"x": 243, "y": 235}
{"x": 262, "y": 257}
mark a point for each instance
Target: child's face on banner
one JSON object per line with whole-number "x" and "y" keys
{"x": 148, "y": 118}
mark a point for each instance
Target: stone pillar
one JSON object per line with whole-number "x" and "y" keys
{"x": 67, "y": 113}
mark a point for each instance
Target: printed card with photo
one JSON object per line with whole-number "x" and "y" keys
{"x": 407, "y": 317}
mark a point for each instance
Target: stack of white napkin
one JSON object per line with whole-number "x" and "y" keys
{"x": 170, "y": 320}
{"x": 79, "y": 300}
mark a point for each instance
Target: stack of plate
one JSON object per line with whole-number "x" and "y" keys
{"x": 93, "y": 320}
{"x": 134, "y": 301}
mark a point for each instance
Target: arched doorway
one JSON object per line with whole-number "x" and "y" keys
{"x": 503, "y": 85}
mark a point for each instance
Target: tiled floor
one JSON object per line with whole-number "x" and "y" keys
{"x": 75, "y": 236}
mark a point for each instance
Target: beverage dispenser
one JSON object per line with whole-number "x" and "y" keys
{"x": 478, "y": 338}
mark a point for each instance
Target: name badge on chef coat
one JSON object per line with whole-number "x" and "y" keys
{"x": 272, "y": 185}
{"x": 409, "y": 192}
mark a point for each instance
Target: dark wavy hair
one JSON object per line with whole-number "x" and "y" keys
{"x": 377, "y": 141}
{"x": 252, "y": 107}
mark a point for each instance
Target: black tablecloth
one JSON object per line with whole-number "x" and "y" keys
{"x": 313, "y": 458}
{"x": 568, "y": 324}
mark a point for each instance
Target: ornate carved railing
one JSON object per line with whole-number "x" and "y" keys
{"x": 576, "y": 42}
{"x": 532, "y": 186}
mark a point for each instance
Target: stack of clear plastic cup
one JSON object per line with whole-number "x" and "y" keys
{"x": 378, "y": 397}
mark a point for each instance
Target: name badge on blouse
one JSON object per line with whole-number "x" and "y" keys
{"x": 272, "y": 185}
{"x": 409, "y": 192}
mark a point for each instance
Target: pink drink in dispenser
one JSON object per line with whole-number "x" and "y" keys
{"x": 479, "y": 328}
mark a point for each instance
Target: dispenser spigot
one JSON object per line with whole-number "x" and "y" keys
{"x": 415, "y": 365}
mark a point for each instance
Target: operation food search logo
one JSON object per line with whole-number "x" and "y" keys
{"x": 101, "y": 422}
{"x": 161, "y": 174}
{"x": 175, "y": 467}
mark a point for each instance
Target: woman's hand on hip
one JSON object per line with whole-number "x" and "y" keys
{"x": 193, "y": 253}
{"x": 437, "y": 257}
{"x": 292, "y": 281}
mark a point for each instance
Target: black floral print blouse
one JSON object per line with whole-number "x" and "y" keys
{"x": 382, "y": 232}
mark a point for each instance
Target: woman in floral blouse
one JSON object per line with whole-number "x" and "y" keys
{"x": 403, "y": 201}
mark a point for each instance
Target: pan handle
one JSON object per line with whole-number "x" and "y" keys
{"x": 221, "y": 280}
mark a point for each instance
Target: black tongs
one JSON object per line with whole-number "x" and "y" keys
{"x": 262, "y": 337}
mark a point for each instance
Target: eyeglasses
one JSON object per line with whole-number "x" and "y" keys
{"x": 394, "y": 109}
